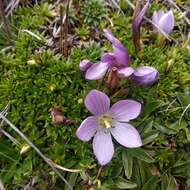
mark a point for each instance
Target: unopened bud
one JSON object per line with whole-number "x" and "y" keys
{"x": 112, "y": 78}
{"x": 58, "y": 117}
{"x": 169, "y": 65}
{"x": 24, "y": 149}
{"x": 31, "y": 62}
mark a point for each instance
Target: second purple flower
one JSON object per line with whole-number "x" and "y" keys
{"x": 117, "y": 60}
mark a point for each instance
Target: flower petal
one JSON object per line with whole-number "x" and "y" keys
{"x": 126, "y": 135}
{"x": 119, "y": 51}
{"x": 107, "y": 57}
{"x": 87, "y": 128}
{"x": 108, "y": 34}
{"x": 145, "y": 75}
{"x": 97, "y": 102}
{"x": 139, "y": 16}
{"x": 167, "y": 22}
{"x": 97, "y": 71}
{"x": 157, "y": 16}
{"x": 103, "y": 147}
{"x": 160, "y": 14}
{"x": 125, "y": 110}
{"x": 84, "y": 65}
{"x": 125, "y": 71}
{"x": 121, "y": 56}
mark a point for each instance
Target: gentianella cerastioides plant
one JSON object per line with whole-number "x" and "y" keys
{"x": 107, "y": 122}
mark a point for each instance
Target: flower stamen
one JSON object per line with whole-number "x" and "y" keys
{"x": 105, "y": 121}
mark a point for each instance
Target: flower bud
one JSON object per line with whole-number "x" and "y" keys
{"x": 164, "y": 21}
{"x": 24, "y": 149}
{"x": 136, "y": 23}
{"x": 145, "y": 76}
{"x": 112, "y": 78}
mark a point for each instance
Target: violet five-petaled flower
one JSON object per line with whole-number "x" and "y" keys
{"x": 145, "y": 75}
{"x": 117, "y": 60}
{"x": 164, "y": 21}
{"x": 108, "y": 121}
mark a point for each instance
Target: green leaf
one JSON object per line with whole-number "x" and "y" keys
{"x": 164, "y": 129}
{"x": 141, "y": 154}
{"x": 187, "y": 131}
{"x": 136, "y": 172}
{"x": 122, "y": 183}
{"x": 9, "y": 172}
{"x": 144, "y": 171}
{"x": 172, "y": 184}
{"x": 108, "y": 186}
{"x": 150, "y": 184}
{"x": 183, "y": 98}
{"x": 152, "y": 106}
{"x": 117, "y": 169}
{"x": 149, "y": 137}
{"x": 7, "y": 151}
{"x": 168, "y": 183}
{"x": 127, "y": 164}
{"x": 181, "y": 168}
{"x": 72, "y": 177}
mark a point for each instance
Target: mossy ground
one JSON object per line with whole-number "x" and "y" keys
{"x": 33, "y": 89}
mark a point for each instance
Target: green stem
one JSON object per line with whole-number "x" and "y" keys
{"x": 160, "y": 40}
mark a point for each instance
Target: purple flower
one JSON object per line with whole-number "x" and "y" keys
{"x": 118, "y": 59}
{"x": 164, "y": 21}
{"x": 120, "y": 53}
{"x": 145, "y": 75}
{"x": 108, "y": 121}
{"x": 85, "y": 65}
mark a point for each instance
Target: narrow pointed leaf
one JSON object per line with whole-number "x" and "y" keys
{"x": 122, "y": 183}
{"x": 150, "y": 184}
{"x": 141, "y": 154}
{"x": 127, "y": 164}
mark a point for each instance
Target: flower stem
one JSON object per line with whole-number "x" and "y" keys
{"x": 160, "y": 40}
{"x": 99, "y": 172}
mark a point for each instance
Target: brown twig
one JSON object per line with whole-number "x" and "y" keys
{"x": 5, "y": 23}
{"x": 61, "y": 29}
{"x": 64, "y": 29}
{"x": 65, "y": 47}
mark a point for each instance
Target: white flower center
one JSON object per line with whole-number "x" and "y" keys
{"x": 105, "y": 121}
